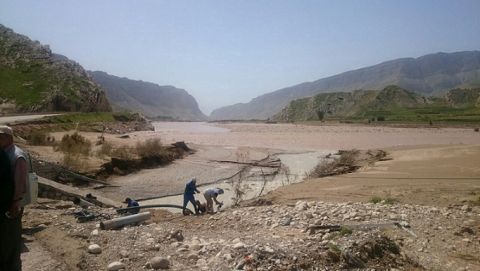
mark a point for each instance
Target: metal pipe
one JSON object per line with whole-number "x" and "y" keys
{"x": 122, "y": 210}
{"x": 122, "y": 221}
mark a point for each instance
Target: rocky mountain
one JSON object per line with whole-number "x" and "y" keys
{"x": 390, "y": 103}
{"x": 33, "y": 79}
{"x": 432, "y": 74}
{"x": 152, "y": 100}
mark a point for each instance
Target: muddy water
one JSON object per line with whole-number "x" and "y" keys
{"x": 188, "y": 127}
{"x": 297, "y": 164}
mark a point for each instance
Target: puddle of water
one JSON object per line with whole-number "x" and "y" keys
{"x": 188, "y": 127}
{"x": 298, "y": 165}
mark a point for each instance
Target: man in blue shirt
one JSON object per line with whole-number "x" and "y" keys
{"x": 132, "y": 203}
{"x": 190, "y": 189}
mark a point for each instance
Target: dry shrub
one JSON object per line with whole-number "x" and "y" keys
{"x": 73, "y": 161}
{"x": 39, "y": 138}
{"x": 105, "y": 149}
{"x": 150, "y": 148}
{"x": 123, "y": 152}
{"x": 344, "y": 164}
{"x": 75, "y": 144}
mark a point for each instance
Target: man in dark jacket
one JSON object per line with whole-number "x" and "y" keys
{"x": 11, "y": 219}
{"x": 188, "y": 195}
{"x": 132, "y": 203}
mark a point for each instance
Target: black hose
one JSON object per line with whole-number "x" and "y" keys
{"x": 122, "y": 210}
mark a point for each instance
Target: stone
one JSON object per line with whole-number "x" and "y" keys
{"x": 192, "y": 257}
{"x": 286, "y": 221}
{"x": 114, "y": 266}
{"x": 268, "y": 249}
{"x": 94, "y": 232}
{"x": 196, "y": 247}
{"x": 159, "y": 263}
{"x": 94, "y": 249}
{"x": 466, "y": 208}
{"x": 201, "y": 262}
{"x": 301, "y": 205}
{"x": 238, "y": 245}
{"x": 124, "y": 254}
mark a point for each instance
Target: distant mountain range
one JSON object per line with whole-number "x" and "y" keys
{"x": 33, "y": 79}
{"x": 430, "y": 75}
{"x": 389, "y": 104}
{"x": 152, "y": 100}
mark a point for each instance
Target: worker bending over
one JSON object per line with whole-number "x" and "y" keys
{"x": 210, "y": 196}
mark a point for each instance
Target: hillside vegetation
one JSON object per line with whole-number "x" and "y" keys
{"x": 33, "y": 79}
{"x": 390, "y": 104}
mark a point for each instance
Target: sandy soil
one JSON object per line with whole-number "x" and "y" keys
{"x": 429, "y": 175}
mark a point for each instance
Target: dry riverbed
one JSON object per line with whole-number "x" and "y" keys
{"x": 429, "y": 189}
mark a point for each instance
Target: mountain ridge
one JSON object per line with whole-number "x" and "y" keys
{"x": 150, "y": 99}
{"x": 34, "y": 79}
{"x": 431, "y": 74}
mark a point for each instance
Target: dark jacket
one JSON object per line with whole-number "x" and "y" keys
{"x": 7, "y": 186}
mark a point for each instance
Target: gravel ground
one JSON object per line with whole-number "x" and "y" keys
{"x": 270, "y": 237}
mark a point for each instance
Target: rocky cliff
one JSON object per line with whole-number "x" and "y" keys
{"x": 33, "y": 79}
{"x": 152, "y": 100}
{"x": 432, "y": 74}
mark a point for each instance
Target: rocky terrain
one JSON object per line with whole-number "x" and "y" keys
{"x": 33, "y": 79}
{"x": 428, "y": 75}
{"x": 303, "y": 236}
{"x": 391, "y": 103}
{"x": 152, "y": 100}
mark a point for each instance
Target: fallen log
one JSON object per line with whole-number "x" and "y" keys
{"x": 126, "y": 220}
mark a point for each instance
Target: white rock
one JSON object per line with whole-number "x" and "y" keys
{"x": 116, "y": 266}
{"x": 239, "y": 245}
{"x": 159, "y": 263}
{"x": 94, "y": 232}
{"x": 196, "y": 247}
{"x": 301, "y": 205}
{"x": 124, "y": 254}
{"x": 268, "y": 249}
{"x": 94, "y": 249}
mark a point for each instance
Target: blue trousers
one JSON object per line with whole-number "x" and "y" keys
{"x": 189, "y": 198}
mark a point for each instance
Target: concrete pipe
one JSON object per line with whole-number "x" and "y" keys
{"x": 126, "y": 220}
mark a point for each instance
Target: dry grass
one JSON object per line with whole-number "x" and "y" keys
{"x": 149, "y": 148}
{"x": 123, "y": 152}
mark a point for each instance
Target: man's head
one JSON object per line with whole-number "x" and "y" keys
{"x": 194, "y": 180}
{"x": 6, "y": 136}
{"x": 220, "y": 191}
{"x": 128, "y": 200}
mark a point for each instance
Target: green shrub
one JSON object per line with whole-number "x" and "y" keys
{"x": 375, "y": 199}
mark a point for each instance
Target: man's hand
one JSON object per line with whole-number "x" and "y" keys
{"x": 14, "y": 210}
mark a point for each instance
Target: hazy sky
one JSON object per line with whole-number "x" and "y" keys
{"x": 224, "y": 52}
